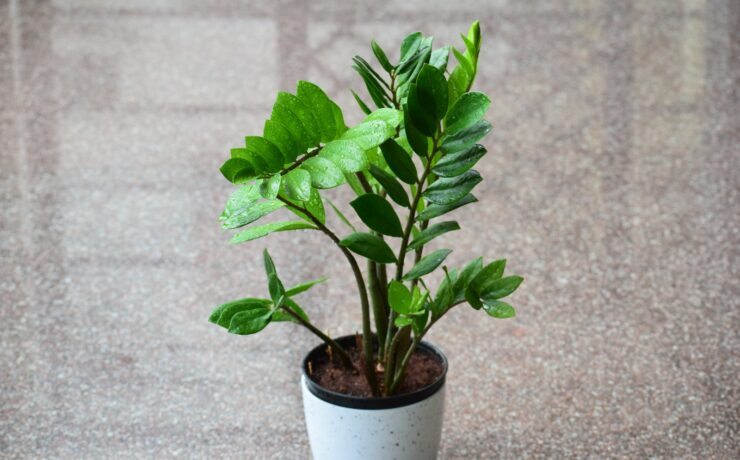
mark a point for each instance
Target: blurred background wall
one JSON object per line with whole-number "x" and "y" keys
{"x": 611, "y": 184}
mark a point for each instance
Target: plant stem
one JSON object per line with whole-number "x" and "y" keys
{"x": 376, "y": 297}
{"x": 305, "y": 157}
{"x": 341, "y": 352}
{"x": 367, "y": 335}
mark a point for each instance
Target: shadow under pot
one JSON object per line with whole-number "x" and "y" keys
{"x": 407, "y": 426}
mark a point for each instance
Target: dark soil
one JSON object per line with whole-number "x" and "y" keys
{"x": 423, "y": 369}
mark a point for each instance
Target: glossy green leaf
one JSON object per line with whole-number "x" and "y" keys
{"x": 270, "y": 187}
{"x": 427, "y": 264}
{"x": 314, "y": 205}
{"x": 399, "y": 297}
{"x": 381, "y": 56}
{"x": 500, "y": 288}
{"x": 369, "y": 134}
{"x": 399, "y": 161}
{"x": 431, "y": 86}
{"x": 391, "y": 116}
{"x": 298, "y": 184}
{"x": 370, "y": 246}
{"x": 439, "y": 58}
{"x": 468, "y": 110}
{"x": 250, "y": 321}
{"x": 347, "y": 155}
{"x": 267, "y": 151}
{"x": 464, "y": 62}
{"x": 465, "y": 277}
{"x": 283, "y": 115}
{"x": 482, "y": 279}
{"x": 277, "y": 291}
{"x": 418, "y": 141}
{"x": 437, "y": 210}
{"x": 279, "y": 136}
{"x": 324, "y": 173}
{"x": 449, "y": 190}
{"x": 338, "y": 119}
{"x": 499, "y": 309}
{"x": 236, "y": 170}
{"x": 378, "y": 214}
{"x": 363, "y": 106}
{"x": 374, "y": 83}
{"x": 421, "y": 110}
{"x": 466, "y": 137}
{"x": 263, "y": 230}
{"x": 454, "y": 164}
{"x": 305, "y": 115}
{"x": 315, "y": 98}
{"x": 391, "y": 185}
{"x": 222, "y": 314}
{"x": 444, "y": 297}
{"x": 303, "y": 287}
{"x": 457, "y": 85}
{"x": 239, "y": 217}
{"x": 432, "y": 232}
{"x": 282, "y": 315}
{"x": 410, "y": 45}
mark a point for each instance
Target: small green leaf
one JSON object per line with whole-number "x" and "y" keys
{"x": 391, "y": 185}
{"x": 500, "y": 288}
{"x": 399, "y": 161}
{"x": 269, "y": 188}
{"x": 315, "y": 98}
{"x": 282, "y": 315}
{"x": 365, "y": 109}
{"x": 454, "y": 164}
{"x": 403, "y": 321}
{"x": 399, "y": 297}
{"x": 314, "y": 205}
{"x": 464, "y": 62}
{"x": 250, "y": 321}
{"x": 499, "y": 309}
{"x": 410, "y": 46}
{"x": 437, "y": 210}
{"x": 378, "y": 214}
{"x": 444, "y": 297}
{"x": 370, "y": 246}
{"x": 457, "y": 84}
{"x": 484, "y": 278}
{"x": 235, "y": 169}
{"x": 279, "y": 136}
{"x": 381, "y": 57}
{"x": 432, "y": 232}
{"x": 418, "y": 141}
{"x": 277, "y": 291}
{"x": 439, "y": 58}
{"x": 222, "y": 314}
{"x": 292, "y": 123}
{"x": 347, "y": 155}
{"x": 263, "y": 230}
{"x": 303, "y": 287}
{"x": 466, "y": 137}
{"x": 466, "y": 276}
{"x": 446, "y": 191}
{"x": 369, "y": 134}
{"x": 338, "y": 119}
{"x": 305, "y": 115}
{"x": 267, "y": 151}
{"x": 235, "y": 218}
{"x": 427, "y": 264}
{"x": 298, "y": 184}
{"x": 421, "y": 111}
{"x": 324, "y": 173}
{"x": 468, "y": 109}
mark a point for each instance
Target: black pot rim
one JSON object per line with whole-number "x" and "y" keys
{"x": 358, "y": 402}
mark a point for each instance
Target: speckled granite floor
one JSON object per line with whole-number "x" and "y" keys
{"x": 613, "y": 186}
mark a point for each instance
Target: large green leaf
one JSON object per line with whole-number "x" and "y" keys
{"x": 324, "y": 173}
{"x": 431, "y": 86}
{"x": 369, "y": 134}
{"x": 468, "y": 109}
{"x": 421, "y": 111}
{"x": 315, "y": 98}
{"x": 499, "y": 309}
{"x": 223, "y": 313}
{"x": 267, "y": 151}
{"x": 466, "y": 137}
{"x": 263, "y": 230}
{"x": 250, "y": 321}
{"x": 298, "y": 184}
{"x": 347, "y": 155}
{"x": 399, "y": 297}
{"x": 447, "y": 191}
{"x": 427, "y": 264}
{"x": 378, "y": 214}
{"x": 371, "y": 246}
{"x": 432, "y": 232}
{"x": 454, "y": 164}
{"x": 399, "y": 161}
{"x": 500, "y": 288}
{"x": 304, "y": 113}
{"x": 279, "y": 136}
{"x": 292, "y": 123}
{"x": 437, "y": 210}
{"x": 391, "y": 185}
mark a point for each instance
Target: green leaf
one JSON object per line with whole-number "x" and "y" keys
{"x": 324, "y": 173}
{"x": 282, "y": 315}
{"x": 464, "y": 62}
{"x": 373, "y": 82}
{"x": 418, "y": 141}
{"x": 410, "y": 46}
{"x": 243, "y": 207}
{"x": 323, "y": 110}
{"x": 421, "y": 110}
{"x": 499, "y": 309}
{"x": 303, "y": 287}
{"x": 449, "y": 190}
{"x": 305, "y": 115}
{"x": 258, "y": 164}
{"x": 391, "y": 185}
{"x": 399, "y": 297}
{"x": 292, "y": 123}
{"x": 486, "y": 276}
{"x": 444, "y": 297}
{"x": 432, "y": 232}
{"x": 369, "y": 134}
{"x": 427, "y": 264}
{"x": 431, "y": 86}
{"x": 500, "y": 288}
{"x": 347, "y": 155}
{"x": 277, "y": 291}
{"x": 466, "y": 137}
{"x": 236, "y": 170}
{"x": 250, "y": 321}
{"x": 466, "y": 276}
{"x": 298, "y": 184}
{"x": 314, "y": 205}
{"x": 263, "y": 230}
{"x": 222, "y": 314}
{"x": 370, "y": 246}
{"x": 437, "y": 210}
{"x": 338, "y": 119}
{"x": 439, "y": 58}
{"x": 381, "y": 57}
{"x": 457, "y": 84}
{"x": 365, "y": 109}
{"x": 399, "y": 161}
{"x": 269, "y": 188}
{"x": 468, "y": 109}
{"x": 378, "y": 214}
{"x": 279, "y": 136}
{"x": 454, "y": 164}
{"x": 403, "y": 321}
{"x": 341, "y": 216}
{"x": 267, "y": 151}
{"x": 391, "y": 116}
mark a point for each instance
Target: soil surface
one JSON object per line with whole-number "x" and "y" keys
{"x": 423, "y": 369}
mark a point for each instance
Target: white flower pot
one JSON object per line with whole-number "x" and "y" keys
{"x": 402, "y": 427}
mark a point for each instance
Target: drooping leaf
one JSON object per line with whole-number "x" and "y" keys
{"x": 381, "y": 56}
{"x": 370, "y": 246}
{"x": 391, "y": 185}
{"x": 369, "y": 134}
{"x": 454, "y": 164}
{"x": 267, "y": 151}
{"x": 427, "y": 264}
{"x": 324, "y": 173}
{"x": 378, "y": 214}
{"x": 432, "y": 232}
{"x": 269, "y": 188}
{"x": 437, "y": 210}
{"x": 399, "y": 161}
{"x": 297, "y": 184}
{"x": 250, "y": 321}
{"x": 315, "y": 98}
{"x": 399, "y": 297}
{"x": 305, "y": 115}
{"x": 222, "y": 314}
{"x": 303, "y": 287}
{"x": 465, "y": 138}
{"x": 253, "y": 233}
{"x": 500, "y": 288}
{"x": 499, "y": 309}
{"x": 347, "y": 155}
{"x": 279, "y": 136}
{"x": 449, "y": 190}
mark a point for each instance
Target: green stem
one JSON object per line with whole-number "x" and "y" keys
{"x": 341, "y": 352}
{"x": 376, "y": 297}
{"x": 305, "y": 157}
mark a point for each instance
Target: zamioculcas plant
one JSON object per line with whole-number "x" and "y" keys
{"x": 409, "y": 162}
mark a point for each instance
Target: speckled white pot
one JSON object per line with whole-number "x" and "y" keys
{"x": 404, "y": 427}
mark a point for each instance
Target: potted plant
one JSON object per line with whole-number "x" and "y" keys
{"x": 378, "y": 393}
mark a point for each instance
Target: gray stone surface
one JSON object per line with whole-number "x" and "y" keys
{"x": 612, "y": 184}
